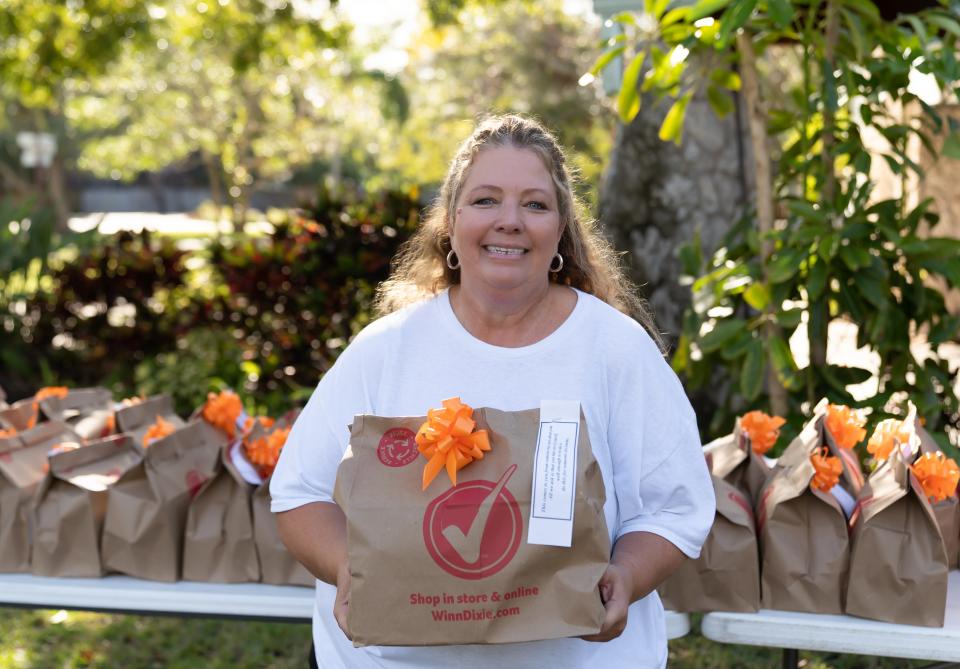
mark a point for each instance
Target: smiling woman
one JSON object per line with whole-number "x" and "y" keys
{"x": 508, "y": 297}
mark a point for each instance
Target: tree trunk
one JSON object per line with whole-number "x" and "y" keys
{"x": 57, "y": 191}
{"x": 656, "y": 196}
{"x": 763, "y": 186}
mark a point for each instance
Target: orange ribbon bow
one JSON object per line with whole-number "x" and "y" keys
{"x": 886, "y": 436}
{"x": 938, "y": 475}
{"x": 846, "y": 425}
{"x": 265, "y": 451}
{"x": 447, "y": 439}
{"x": 222, "y": 410}
{"x": 828, "y": 469}
{"x": 42, "y": 394}
{"x": 763, "y": 430}
{"x": 160, "y": 429}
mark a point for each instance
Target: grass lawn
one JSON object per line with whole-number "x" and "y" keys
{"x": 34, "y": 639}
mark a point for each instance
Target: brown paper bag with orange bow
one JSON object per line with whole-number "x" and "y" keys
{"x": 947, "y": 511}
{"x": 71, "y": 503}
{"x": 23, "y": 464}
{"x": 726, "y": 576}
{"x": 804, "y": 544}
{"x": 730, "y": 458}
{"x": 469, "y": 574}
{"x": 137, "y": 419}
{"x": 277, "y": 565}
{"x": 21, "y": 415}
{"x": 89, "y": 411}
{"x": 218, "y": 542}
{"x": 143, "y": 527}
{"x": 898, "y": 566}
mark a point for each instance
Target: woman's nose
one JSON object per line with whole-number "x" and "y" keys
{"x": 510, "y": 219}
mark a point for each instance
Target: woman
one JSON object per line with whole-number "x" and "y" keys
{"x": 505, "y": 297}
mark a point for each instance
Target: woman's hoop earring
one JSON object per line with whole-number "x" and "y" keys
{"x": 559, "y": 264}
{"x": 453, "y": 256}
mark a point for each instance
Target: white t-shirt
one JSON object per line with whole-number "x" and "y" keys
{"x": 641, "y": 427}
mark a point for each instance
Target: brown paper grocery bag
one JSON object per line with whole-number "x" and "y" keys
{"x": 23, "y": 464}
{"x": 71, "y": 503}
{"x": 218, "y": 542}
{"x": 946, "y": 512}
{"x": 412, "y": 584}
{"x": 898, "y": 567}
{"x": 18, "y": 416}
{"x": 726, "y": 576}
{"x": 731, "y": 458}
{"x": 89, "y": 411}
{"x": 136, "y": 419}
{"x": 144, "y": 523}
{"x": 277, "y": 566}
{"x": 804, "y": 545}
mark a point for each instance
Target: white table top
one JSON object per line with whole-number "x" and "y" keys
{"x": 133, "y": 595}
{"x": 842, "y": 634}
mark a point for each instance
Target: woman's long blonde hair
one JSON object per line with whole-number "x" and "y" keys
{"x": 589, "y": 261}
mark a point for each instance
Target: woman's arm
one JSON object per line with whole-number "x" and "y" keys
{"x": 641, "y": 561}
{"x": 316, "y": 535}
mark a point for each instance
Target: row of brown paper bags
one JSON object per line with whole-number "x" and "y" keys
{"x": 779, "y": 543}
{"x": 178, "y": 509}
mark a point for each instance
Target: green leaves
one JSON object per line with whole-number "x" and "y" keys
{"x": 734, "y": 18}
{"x": 722, "y": 332}
{"x": 605, "y": 59}
{"x": 781, "y": 12}
{"x": 671, "y": 129}
{"x": 628, "y": 102}
{"x": 720, "y": 102}
{"x": 753, "y": 370}
{"x": 757, "y": 296}
{"x": 951, "y": 146}
{"x": 705, "y": 8}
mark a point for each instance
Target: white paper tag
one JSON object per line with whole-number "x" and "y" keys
{"x": 555, "y": 474}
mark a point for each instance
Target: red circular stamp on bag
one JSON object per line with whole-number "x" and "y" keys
{"x": 398, "y": 447}
{"x": 474, "y": 529}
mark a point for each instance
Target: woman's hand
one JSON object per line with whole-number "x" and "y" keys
{"x": 342, "y": 603}
{"x": 640, "y": 562}
{"x": 616, "y": 587}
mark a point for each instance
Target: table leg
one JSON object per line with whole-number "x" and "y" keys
{"x": 791, "y": 658}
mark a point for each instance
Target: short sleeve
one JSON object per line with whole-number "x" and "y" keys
{"x": 660, "y": 476}
{"x": 307, "y": 469}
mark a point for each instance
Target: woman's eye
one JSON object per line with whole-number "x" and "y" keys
{"x": 484, "y": 201}
{"x": 537, "y": 205}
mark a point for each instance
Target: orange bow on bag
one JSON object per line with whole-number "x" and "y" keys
{"x": 828, "y": 469}
{"x": 846, "y": 425}
{"x": 222, "y": 410}
{"x": 938, "y": 475}
{"x": 160, "y": 429}
{"x": 763, "y": 430}
{"x": 447, "y": 439}
{"x": 886, "y": 436}
{"x": 265, "y": 451}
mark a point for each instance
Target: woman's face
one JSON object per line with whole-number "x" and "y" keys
{"x": 506, "y": 227}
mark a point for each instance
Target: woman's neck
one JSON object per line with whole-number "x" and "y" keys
{"x": 510, "y": 319}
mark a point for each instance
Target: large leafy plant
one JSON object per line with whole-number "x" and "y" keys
{"x": 820, "y": 244}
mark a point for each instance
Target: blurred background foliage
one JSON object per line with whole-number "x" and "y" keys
{"x": 263, "y": 315}
{"x": 249, "y": 95}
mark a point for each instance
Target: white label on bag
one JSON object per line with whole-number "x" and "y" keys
{"x": 555, "y": 474}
